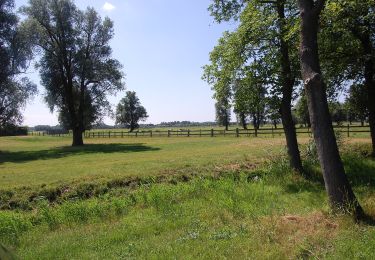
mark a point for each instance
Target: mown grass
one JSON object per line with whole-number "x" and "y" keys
{"x": 33, "y": 167}
{"x": 231, "y": 212}
{"x": 29, "y": 161}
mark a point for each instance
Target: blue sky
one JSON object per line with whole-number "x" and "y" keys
{"x": 162, "y": 45}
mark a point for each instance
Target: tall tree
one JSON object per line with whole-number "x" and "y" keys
{"x": 339, "y": 191}
{"x": 241, "y": 119}
{"x": 350, "y": 38}
{"x": 222, "y": 114}
{"x": 302, "y": 111}
{"x": 15, "y": 54}
{"x": 357, "y": 103}
{"x": 130, "y": 111}
{"x": 266, "y": 33}
{"x": 249, "y": 97}
{"x": 76, "y": 67}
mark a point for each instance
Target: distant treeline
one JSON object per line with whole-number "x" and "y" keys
{"x": 12, "y": 130}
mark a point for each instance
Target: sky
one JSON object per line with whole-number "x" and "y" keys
{"x": 162, "y": 45}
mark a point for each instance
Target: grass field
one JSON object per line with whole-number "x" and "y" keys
{"x": 217, "y": 198}
{"x": 29, "y": 161}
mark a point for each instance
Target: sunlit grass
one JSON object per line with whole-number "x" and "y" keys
{"x": 224, "y": 208}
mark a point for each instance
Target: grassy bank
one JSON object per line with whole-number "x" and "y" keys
{"x": 269, "y": 213}
{"x": 231, "y": 211}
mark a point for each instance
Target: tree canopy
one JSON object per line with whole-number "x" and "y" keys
{"x": 15, "y": 54}
{"x": 76, "y": 66}
{"x": 129, "y": 111}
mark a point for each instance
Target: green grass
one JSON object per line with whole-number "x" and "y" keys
{"x": 31, "y": 161}
{"x": 225, "y": 209}
{"x": 271, "y": 213}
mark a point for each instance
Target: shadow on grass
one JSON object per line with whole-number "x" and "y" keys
{"x": 360, "y": 170}
{"x": 60, "y": 152}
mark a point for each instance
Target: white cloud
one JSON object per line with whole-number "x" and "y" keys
{"x": 108, "y": 7}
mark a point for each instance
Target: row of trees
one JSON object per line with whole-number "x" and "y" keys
{"x": 74, "y": 61}
{"x": 353, "y": 109}
{"x": 75, "y": 65}
{"x": 281, "y": 46}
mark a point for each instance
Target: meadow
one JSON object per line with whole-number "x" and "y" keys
{"x": 168, "y": 198}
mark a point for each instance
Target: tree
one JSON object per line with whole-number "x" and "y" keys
{"x": 357, "y": 103}
{"x": 14, "y": 56}
{"x": 339, "y": 191}
{"x": 130, "y": 111}
{"x": 222, "y": 114}
{"x": 350, "y": 25}
{"x": 302, "y": 111}
{"x": 249, "y": 97}
{"x": 337, "y": 112}
{"x": 76, "y": 67}
{"x": 241, "y": 119}
{"x": 273, "y": 111}
{"x": 263, "y": 42}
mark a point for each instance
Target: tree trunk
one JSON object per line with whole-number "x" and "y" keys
{"x": 369, "y": 74}
{"x": 291, "y": 138}
{"x": 287, "y": 91}
{"x": 77, "y": 137}
{"x": 243, "y": 120}
{"x": 339, "y": 191}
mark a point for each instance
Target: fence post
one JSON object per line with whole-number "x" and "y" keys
{"x": 169, "y": 133}
{"x": 150, "y": 133}
{"x": 212, "y": 132}
{"x": 200, "y": 132}
{"x": 136, "y": 134}
{"x": 272, "y": 132}
{"x": 237, "y": 132}
{"x": 256, "y": 132}
{"x": 109, "y": 134}
{"x": 188, "y": 132}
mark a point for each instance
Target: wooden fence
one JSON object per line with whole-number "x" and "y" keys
{"x": 348, "y": 131}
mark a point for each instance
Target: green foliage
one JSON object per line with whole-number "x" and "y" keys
{"x": 129, "y": 111}
{"x": 357, "y": 102}
{"x": 14, "y": 56}
{"x": 245, "y": 67}
{"x": 223, "y": 114}
{"x": 344, "y": 26}
{"x": 338, "y": 113}
{"x": 76, "y": 66}
{"x": 302, "y": 111}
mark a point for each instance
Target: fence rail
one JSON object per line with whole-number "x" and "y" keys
{"x": 348, "y": 130}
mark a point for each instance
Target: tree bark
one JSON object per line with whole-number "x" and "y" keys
{"x": 287, "y": 81}
{"x": 339, "y": 191}
{"x": 77, "y": 137}
{"x": 291, "y": 138}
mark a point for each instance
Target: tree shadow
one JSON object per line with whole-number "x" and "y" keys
{"x": 360, "y": 170}
{"x": 65, "y": 151}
